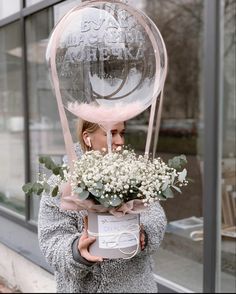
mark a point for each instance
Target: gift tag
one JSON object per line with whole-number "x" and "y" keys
{"x": 118, "y": 232}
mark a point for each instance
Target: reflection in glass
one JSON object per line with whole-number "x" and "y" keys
{"x": 8, "y": 8}
{"x": 61, "y": 9}
{"x": 180, "y": 258}
{"x": 228, "y": 243}
{"x": 31, "y": 2}
{"x": 45, "y": 129}
{"x": 11, "y": 120}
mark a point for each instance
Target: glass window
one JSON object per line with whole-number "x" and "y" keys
{"x": 179, "y": 259}
{"x": 11, "y": 120}
{"x": 62, "y": 8}
{"x": 228, "y": 243}
{"x": 32, "y": 2}
{"x": 8, "y": 8}
{"x": 46, "y": 136}
{"x": 45, "y": 131}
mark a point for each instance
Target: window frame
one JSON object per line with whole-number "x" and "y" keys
{"x": 212, "y": 96}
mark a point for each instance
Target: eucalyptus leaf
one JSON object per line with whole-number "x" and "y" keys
{"x": 177, "y": 162}
{"x": 182, "y": 175}
{"x": 115, "y": 201}
{"x": 30, "y": 193}
{"x": 40, "y": 191}
{"x": 37, "y": 188}
{"x": 42, "y": 159}
{"x": 56, "y": 170}
{"x": 168, "y": 193}
{"x": 46, "y": 187}
{"x": 99, "y": 186}
{"x": 61, "y": 173}
{"x": 27, "y": 187}
{"x": 78, "y": 190}
{"x": 165, "y": 185}
{"x": 82, "y": 185}
{"x": 55, "y": 191}
{"x": 177, "y": 189}
{"x": 96, "y": 193}
{"x": 83, "y": 195}
{"x": 162, "y": 197}
{"x": 104, "y": 202}
{"x": 49, "y": 164}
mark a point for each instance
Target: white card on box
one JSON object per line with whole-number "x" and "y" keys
{"x": 117, "y": 232}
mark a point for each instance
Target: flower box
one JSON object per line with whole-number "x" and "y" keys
{"x": 116, "y": 237}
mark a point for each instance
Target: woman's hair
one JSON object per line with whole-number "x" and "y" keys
{"x": 83, "y": 125}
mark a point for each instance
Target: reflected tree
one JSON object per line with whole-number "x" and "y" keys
{"x": 180, "y": 23}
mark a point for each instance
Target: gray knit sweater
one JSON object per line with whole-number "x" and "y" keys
{"x": 57, "y": 229}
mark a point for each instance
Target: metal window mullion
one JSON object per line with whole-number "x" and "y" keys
{"x": 26, "y": 110}
{"x": 9, "y": 19}
{"x": 213, "y": 97}
{"x": 39, "y": 6}
{"x": 26, "y": 11}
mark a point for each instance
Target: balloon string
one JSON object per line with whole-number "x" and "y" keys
{"x": 150, "y": 127}
{"x": 64, "y": 122}
{"x": 157, "y": 84}
{"x": 151, "y": 123}
{"x": 109, "y": 140}
{"x": 158, "y": 123}
{"x": 107, "y": 128}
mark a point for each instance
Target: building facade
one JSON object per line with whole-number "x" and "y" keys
{"x": 198, "y": 120}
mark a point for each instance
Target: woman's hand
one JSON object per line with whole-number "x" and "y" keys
{"x": 143, "y": 238}
{"x": 84, "y": 242}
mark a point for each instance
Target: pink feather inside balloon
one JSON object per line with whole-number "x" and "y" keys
{"x": 102, "y": 114}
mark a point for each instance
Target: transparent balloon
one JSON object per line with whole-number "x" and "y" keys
{"x": 109, "y": 60}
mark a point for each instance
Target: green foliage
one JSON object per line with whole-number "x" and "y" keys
{"x": 168, "y": 193}
{"x": 37, "y": 188}
{"x": 162, "y": 197}
{"x": 177, "y": 162}
{"x": 28, "y": 189}
{"x": 97, "y": 192}
{"x": 33, "y": 188}
{"x": 51, "y": 165}
{"x": 115, "y": 201}
{"x": 83, "y": 195}
{"x": 55, "y": 191}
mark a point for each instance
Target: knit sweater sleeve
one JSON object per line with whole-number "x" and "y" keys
{"x": 57, "y": 230}
{"x": 154, "y": 222}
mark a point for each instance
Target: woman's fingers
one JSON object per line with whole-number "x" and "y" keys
{"x": 83, "y": 247}
{"x": 86, "y": 242}
{"x": 85, "y": 219}
{"x": 85, "y": 254}
{"x": 142, "y": 237}
{"x": 142, "y": 241}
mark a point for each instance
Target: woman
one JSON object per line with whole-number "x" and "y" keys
{"x": 65, "y": 244}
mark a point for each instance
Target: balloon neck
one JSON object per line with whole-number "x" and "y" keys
{"x": 109, "y": 141}
{"x": 107, "y": 127}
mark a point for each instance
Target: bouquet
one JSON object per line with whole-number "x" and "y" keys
{"x": 121, "y": 185}
{"x": 114, "y": 179}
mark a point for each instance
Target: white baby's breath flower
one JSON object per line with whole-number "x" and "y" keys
{"x": 122, "y": 173}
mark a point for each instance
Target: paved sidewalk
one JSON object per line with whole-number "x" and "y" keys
{"x": 5, "y": 289}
